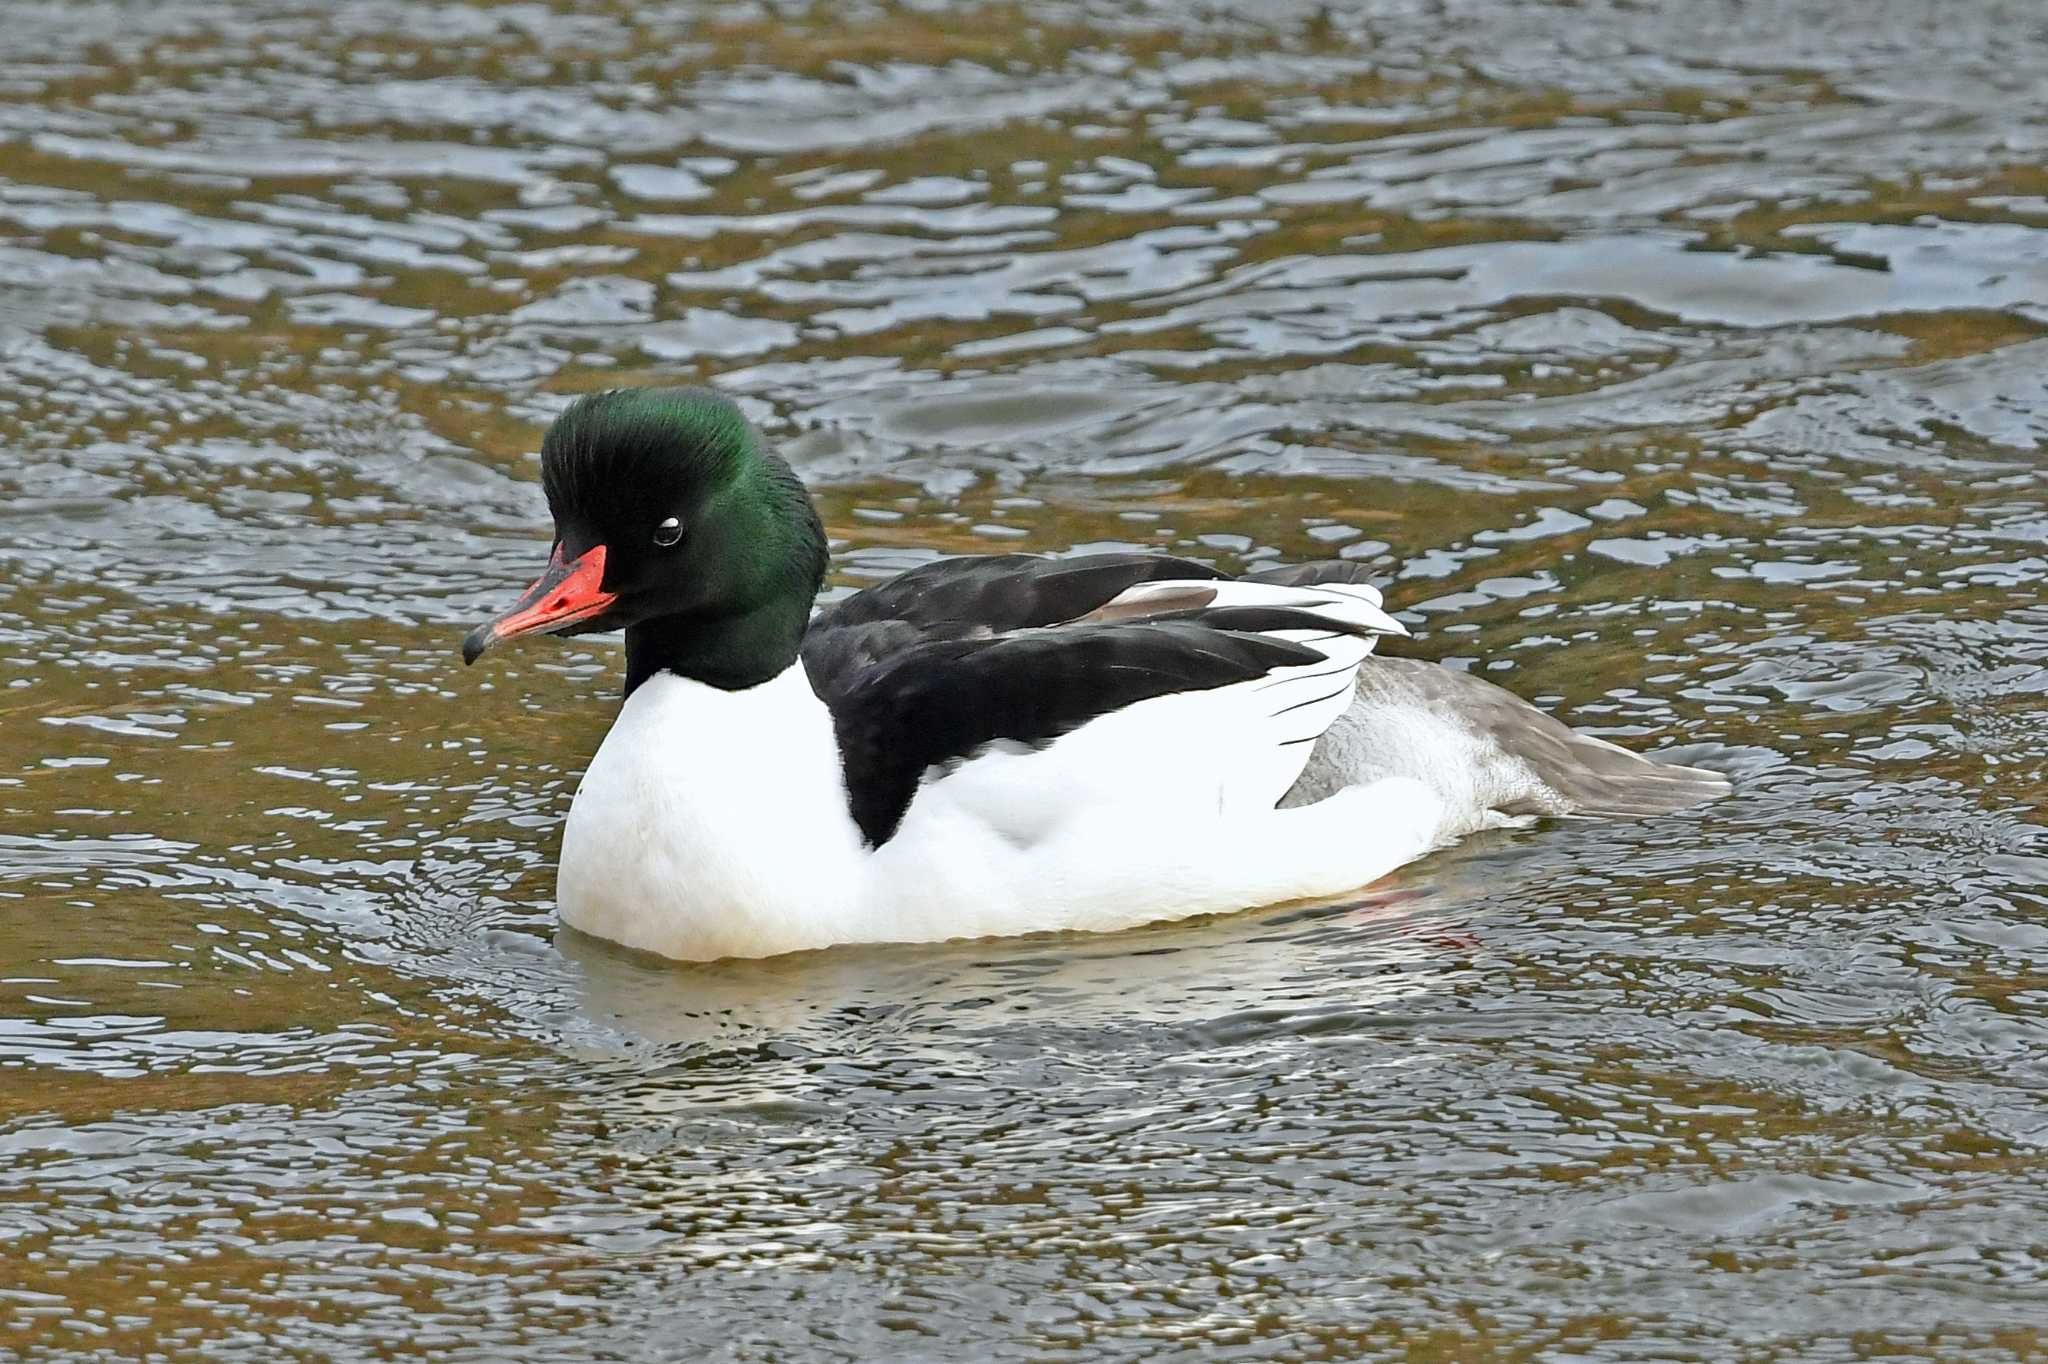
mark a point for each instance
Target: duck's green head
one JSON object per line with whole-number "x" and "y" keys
{"x": 673, "y": 524}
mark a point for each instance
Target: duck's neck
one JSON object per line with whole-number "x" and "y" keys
{"x": 730, "y": 653}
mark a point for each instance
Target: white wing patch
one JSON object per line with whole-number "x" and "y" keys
{"x": 1228, "y": 750}
{"x": 1358, "y": 605}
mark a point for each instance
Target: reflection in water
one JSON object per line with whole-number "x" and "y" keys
{"x": 1682, "y": 368}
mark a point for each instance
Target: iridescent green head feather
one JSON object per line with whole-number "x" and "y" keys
{"x": 702, "y": 528}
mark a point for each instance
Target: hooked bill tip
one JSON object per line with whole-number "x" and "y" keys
{"x": 476, "y": 641}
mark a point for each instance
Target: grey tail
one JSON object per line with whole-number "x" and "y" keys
{"x": 1512, "y": 758}
{"x": 1588, "y": 776}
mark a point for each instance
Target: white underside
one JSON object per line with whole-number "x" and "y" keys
{"x": 715, "y": 824}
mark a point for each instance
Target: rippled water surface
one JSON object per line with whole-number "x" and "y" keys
{"x": 1684, "y": 366}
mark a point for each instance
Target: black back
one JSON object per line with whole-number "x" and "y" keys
{"x": 946, "y": 659}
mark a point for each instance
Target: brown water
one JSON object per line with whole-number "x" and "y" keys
{"x": 1684, "y": 365}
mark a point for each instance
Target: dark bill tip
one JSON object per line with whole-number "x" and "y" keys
{"x": 476, "y": 641}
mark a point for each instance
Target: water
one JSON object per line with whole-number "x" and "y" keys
{"x": 1682, "y": 365}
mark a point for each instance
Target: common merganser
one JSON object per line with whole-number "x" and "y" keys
{"x": 988, "y": 745}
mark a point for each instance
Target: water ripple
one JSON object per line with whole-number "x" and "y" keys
{"x": 1678, "y": 366}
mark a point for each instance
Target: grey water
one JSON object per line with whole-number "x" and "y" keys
{"x": 1682, "y": 366}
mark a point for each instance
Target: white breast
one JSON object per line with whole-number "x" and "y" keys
{"x": 714, "y": 823}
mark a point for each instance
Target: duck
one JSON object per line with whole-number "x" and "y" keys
{"x": 988, "y": 745}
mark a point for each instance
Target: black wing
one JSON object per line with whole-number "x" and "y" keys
{"x": 983, "y": 596}
{"x": 946, "y": 698}
{"x": 1006, "y": 591}
{"x": 977, "y": 597}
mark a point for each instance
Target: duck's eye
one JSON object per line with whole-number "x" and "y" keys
{"x": 668, "y": 532}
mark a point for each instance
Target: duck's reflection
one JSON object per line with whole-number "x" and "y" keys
{"x": 760, "y": 1025}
